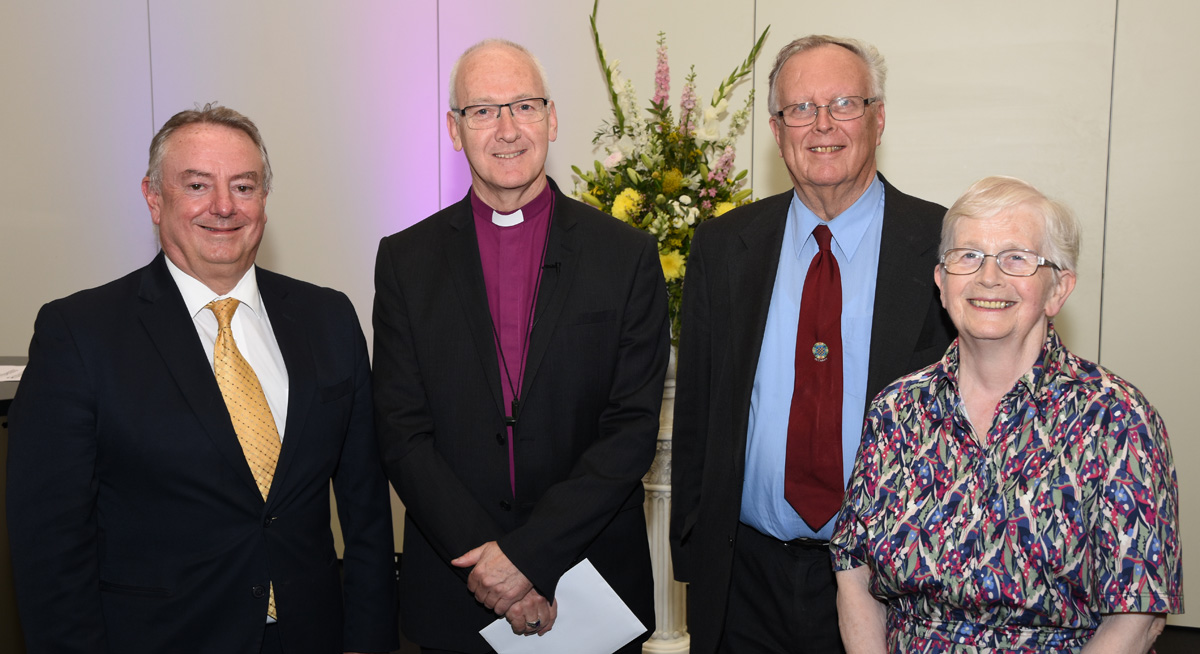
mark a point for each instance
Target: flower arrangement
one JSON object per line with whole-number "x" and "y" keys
{"x": 663, "y": 175}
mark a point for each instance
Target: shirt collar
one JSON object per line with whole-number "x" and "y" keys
{"x": 1050, "y": 366}
{"x": 196, "y": 295}
{"x": 531, "y": 210}
{"x": 847, "y": 228}
{"x": 1048, "y": 370}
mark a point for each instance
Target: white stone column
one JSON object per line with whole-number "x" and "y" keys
{"x": 670, "y": 607}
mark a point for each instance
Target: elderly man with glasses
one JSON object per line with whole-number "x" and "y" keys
{"x": 521, "y": 343}
{"x": 797, "y": 310}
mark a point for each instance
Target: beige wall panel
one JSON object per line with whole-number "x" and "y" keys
{"x": 974, "y": 89}
{"x": 1150, "y": 311}
{"x": 76, "y": 86}
{"x": 343, "y": 94}
{"x": 715, "y": 41}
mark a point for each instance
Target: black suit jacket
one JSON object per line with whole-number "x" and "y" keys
{"x": 731, "y": 273}
{"x": 135, "y": 522}
{"x": 588, "y": 423}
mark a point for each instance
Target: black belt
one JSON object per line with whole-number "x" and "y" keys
{"x": 807, "y": 543}
{"x": 797, "y": 543}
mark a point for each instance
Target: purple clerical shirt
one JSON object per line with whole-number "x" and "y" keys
{"x": 512, "y": 263}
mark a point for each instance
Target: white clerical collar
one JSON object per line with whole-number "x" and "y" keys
{"x": 507, "y": 220}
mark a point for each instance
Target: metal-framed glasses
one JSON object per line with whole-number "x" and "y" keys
{"x": 805, "y": 113}
{"x": 483, "y": 116}
{"x": 1017, "y": 263}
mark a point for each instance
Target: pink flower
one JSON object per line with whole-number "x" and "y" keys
{"x": 662, "y": 74}
{"x": 724, "y": 165}
{"x": 687, "y": 103}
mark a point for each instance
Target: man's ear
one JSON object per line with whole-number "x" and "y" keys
{"x": 452, "y": 128}
{"x": 153, "y": 199}
{"x": 553, "y": 118}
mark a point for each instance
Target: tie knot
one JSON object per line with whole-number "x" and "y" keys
{"x": 223, "y": 310}
{"x": 823, "y": 236}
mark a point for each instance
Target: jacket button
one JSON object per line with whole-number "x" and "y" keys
{"x": 500, "y": 438}
{"x": 258, "y": 592}
{"x": 268, "y": 521}
{"x": 731, "y": 541}
{"x": 506, "y": 505}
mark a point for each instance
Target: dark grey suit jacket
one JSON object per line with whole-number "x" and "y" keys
{"x": 588, "y": 423}
{"x": 731, "y": 273}
{"x": 135, "y": 522}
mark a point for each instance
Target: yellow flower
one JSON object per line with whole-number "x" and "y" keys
{"x": 672, "y": 264}
{"x": 722, "y": 207}
{"x": 672, "y": 182}
{"x": 626, "y": 204}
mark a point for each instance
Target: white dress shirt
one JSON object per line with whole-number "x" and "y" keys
{"x": 251, "y": 331}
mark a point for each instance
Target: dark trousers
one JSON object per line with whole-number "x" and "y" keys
{"x": 782, "y": 598}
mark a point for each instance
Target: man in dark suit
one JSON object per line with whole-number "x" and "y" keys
{"x": 155, "y": 506}
{"x": 521, "y": 343}
{"x": 758, "y": 473}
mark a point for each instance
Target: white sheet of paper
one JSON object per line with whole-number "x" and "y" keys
{"x": 592, "y": 619}
{"x": 11, "y": 373}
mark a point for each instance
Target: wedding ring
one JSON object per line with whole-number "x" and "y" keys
{"x": 533, "y": 625}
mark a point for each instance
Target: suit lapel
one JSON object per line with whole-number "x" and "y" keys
{"x": 288, "y": 324}
{"x": 558, "y": 272}
{"x": 902, "y": 288}
{"x": 166, "y": 320}
{"x": 463, "y": 264}
{"x": 752, "y": 270}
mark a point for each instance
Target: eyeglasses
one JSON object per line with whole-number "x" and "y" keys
{"x": 805, "y": 113}
{"x": 484, "y": 116}
{"x": 1017, "y": 263}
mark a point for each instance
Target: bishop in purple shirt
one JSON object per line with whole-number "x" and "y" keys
{"x": 521, "y": 342}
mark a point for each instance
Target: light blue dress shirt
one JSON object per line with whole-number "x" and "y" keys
{"x": 856, "y": 238}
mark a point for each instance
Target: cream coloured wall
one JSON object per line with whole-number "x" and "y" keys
{"x": 72, "y": 151}
{"x": 1149, "y": 317}
{"x": 351, "y": 98}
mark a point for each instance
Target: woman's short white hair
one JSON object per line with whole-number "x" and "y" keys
{"x": 991, "y": 196}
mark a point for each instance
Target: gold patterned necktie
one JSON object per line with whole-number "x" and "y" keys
{"x": 247, "y": 404}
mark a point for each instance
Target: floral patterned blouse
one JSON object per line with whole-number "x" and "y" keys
{"x": 1069, "y": 511}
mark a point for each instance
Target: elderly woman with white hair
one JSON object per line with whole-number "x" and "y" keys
{"x": 1012, "y": 496}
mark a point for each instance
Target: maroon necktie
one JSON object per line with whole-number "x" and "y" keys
{"x": 813, "y": 473}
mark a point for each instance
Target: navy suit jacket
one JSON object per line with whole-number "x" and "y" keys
{"x": 135, "y": 522}
{"x": 731, "y": 273}
{"x": 588, "y": 422}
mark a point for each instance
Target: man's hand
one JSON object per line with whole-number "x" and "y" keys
{"x": 532, "y": 609}
{"x": 496, "y": 582}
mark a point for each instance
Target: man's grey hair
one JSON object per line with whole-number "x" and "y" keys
{"x": 992, "y": 196}
{"x": 537, "y": 65}
{"x": 210, "y": 114}
{"x": 876, "y": 68}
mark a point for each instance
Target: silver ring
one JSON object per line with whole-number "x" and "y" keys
{"x": 533, "y": 625}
